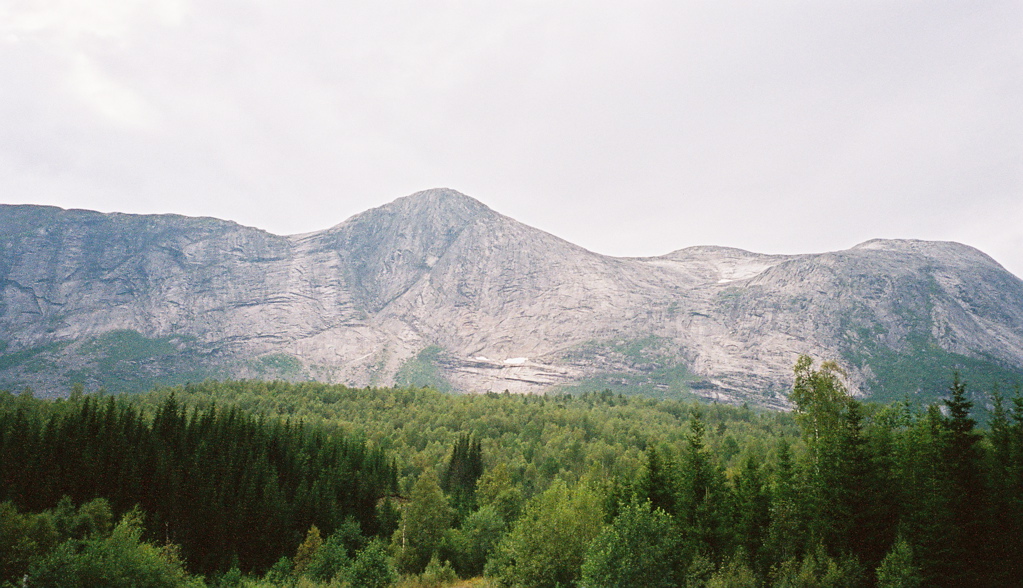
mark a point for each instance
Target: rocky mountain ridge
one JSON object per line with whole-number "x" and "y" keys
{"x": 437, "y": 289}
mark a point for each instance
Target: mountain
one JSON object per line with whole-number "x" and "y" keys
{"x": 437, "y": 289}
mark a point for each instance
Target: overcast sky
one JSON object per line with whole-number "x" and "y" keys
{"x": 630, "y": 128}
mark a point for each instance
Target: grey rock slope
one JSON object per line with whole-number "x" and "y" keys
{"x": 436, "y": 288}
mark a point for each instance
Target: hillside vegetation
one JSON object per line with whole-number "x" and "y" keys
{"x": 280, "y": 484}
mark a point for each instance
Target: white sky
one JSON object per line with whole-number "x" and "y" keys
{"x": 630, "y": 128}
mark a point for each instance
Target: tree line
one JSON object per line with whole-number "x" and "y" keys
{"x": 597, "y": 490}
{"x": 230, "y": 488}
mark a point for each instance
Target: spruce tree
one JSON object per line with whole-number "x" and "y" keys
{"x": 656, "y": 482}
{"x": 701, "y": 495}
{"x": 897, "y": 569}
{"x": 968, "y": 492}
{"x": 752, "y": 515}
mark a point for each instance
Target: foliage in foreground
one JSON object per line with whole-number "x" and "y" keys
{"x": 230, "y": 488}
{"x": 81, "y": 547}
{"x": 602, "y": 491}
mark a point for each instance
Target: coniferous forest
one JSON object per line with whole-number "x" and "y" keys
{"x": 306, "y": 484}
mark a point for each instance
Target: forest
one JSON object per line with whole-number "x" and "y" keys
{"x": 252, "y": 483}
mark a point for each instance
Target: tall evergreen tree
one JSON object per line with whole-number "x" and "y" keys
{"x": 897, "y": 569}
{"x": 701, "y": 496}
{"x": 787, "y": 535}
{"x": 927, "y": 495}
{"x": 969, "y": 494}
{"x": 854, "y": 500}
{"x": 462, "y": 472}
{"x": 656, "y": 482}
{"x": 752, "y": 515}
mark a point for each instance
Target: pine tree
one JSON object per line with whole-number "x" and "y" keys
{"x": 897, "y": 569}
{"x": 462, "y": 472}
{"x": 787, "y": 533}
{"x": 307, "y": 550}
{"x": 656, "y": 482}
{"x": 853, "y": 490}
{"x": 969, "y": 494}
{"x": 701, "y": 495}
{"x": 927, "y": 495}
{"x": 752, "y": 511}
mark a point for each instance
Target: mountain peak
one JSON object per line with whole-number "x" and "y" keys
{"x": 433, "y": 284}
{"x": 389, "y": 248}
{"x": 949, "y": 251}
{"x": 437, "y": 201}
{"x": 440, "y": 196}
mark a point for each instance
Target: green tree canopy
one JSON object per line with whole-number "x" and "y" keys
{"x": 423, "y": 524}
{"x": 546, "y": 546}
{"x": 118, "y": 560}
{"x": 641, "y": 547}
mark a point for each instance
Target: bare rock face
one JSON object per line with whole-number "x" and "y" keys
{"x": 436, "y": 288}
